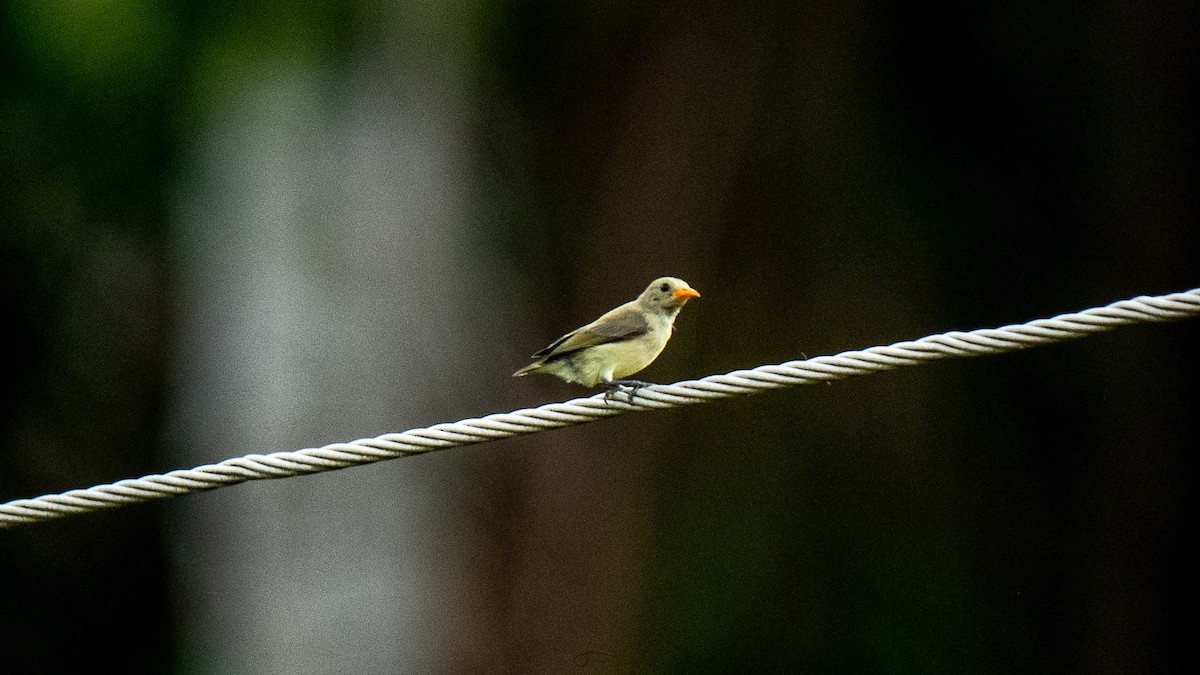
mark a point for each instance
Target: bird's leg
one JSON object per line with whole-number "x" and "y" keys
{"x": 618, "y": 385}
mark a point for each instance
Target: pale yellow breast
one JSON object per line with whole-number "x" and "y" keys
{"x": 617, "y": 360}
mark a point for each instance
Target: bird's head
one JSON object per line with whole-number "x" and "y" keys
{"x": 667, "y": 294}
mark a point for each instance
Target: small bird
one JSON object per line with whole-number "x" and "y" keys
{"x": 618, "y": 344}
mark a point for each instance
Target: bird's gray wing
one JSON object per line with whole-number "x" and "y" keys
{"x": 612, "y": 327}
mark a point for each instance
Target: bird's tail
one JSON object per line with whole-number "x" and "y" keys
{"x": 528, "y": 369}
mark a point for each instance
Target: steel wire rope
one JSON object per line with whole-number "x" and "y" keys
{"x": 1142, "y": 309}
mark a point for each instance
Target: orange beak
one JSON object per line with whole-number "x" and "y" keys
{"x": 685, "y": 293}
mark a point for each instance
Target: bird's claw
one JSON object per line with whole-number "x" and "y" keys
{"x": 619, "y": 385}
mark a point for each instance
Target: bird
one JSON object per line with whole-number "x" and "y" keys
{"x": 619, "y": 343}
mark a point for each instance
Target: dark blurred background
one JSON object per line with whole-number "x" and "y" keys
{"x": 246, "y": 227}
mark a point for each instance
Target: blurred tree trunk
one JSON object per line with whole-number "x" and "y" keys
{"x": 329, "y": 294}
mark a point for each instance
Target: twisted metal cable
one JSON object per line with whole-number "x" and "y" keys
{"x": 579, "y": 411}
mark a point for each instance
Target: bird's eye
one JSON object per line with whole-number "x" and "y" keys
{"x": 664, "y": 288}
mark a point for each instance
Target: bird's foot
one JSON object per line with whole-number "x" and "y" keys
{"x": 620, "y": 385}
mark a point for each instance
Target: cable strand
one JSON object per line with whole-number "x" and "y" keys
{"x": 1144, "y": 309}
